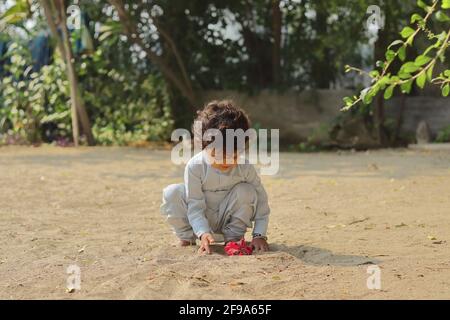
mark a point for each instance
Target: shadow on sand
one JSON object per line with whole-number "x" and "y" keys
{"x": 311, "y": 255}
{"x": 322, "y": 257}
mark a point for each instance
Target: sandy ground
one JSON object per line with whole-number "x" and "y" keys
{"x": 333, "y": 216}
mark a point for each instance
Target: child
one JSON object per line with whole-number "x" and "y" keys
{"x": 218, "y": 197}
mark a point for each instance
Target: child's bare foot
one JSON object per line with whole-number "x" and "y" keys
{"x": 186, "y": 243}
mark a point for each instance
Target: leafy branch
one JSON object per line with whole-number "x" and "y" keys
{"x": 420, "y": 70}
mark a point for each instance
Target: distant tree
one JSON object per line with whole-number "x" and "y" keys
{"x": 55, "y": 11}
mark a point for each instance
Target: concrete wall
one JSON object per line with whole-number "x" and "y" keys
{"x": 435, "y": 111}
{"x": 297, "y": 115}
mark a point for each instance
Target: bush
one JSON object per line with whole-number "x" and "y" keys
{"x": 125, "y": 108}
{"x": 443, "y": 135}
{"x": 35, "y": 106}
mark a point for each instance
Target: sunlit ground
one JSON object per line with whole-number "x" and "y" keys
{"x": 333, "y": 216}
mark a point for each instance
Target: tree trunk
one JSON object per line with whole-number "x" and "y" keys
{"x": 379, "y": 55}
{"x": 176, "y": 53}
{"x": 78, "y": 110}
{"x": 276, "y": 49}
{"x": 52, "y": 25}
{"x": 48, "y": 11}
{"x": 399, "y": 121}
{"x": 379, "y": 118}
{"x": 73, "y": 79}
{"x": 322, "y": 70}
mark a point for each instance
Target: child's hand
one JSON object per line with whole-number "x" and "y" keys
{"x": 260, "y": 244}
{"x": 205, "y": 240}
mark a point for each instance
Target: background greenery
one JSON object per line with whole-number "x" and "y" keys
{"x": 151, "y": 61}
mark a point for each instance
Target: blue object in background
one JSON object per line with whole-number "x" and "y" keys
{"x": 41, "y": 51}
{"x": 83, "y": 42}
{"x": 3, "y": 61}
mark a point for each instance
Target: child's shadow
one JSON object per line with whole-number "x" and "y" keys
{"x": 311, "y": 255}
{"x": 322, "y": 257}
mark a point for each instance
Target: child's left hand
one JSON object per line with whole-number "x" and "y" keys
{"x": 260, "y": 244}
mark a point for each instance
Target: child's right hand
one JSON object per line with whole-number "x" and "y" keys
{"x": 205, "y": 240}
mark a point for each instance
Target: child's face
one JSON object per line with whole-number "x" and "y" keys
{"x": 228, "y": 162}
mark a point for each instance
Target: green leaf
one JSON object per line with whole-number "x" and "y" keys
{"x": 404, "y": 76}
{"x": 446, "y": 90}
{"x": 55, "y": 116}
{"x": 384, "y": 81}
{"x": 394, "y": 43}
{"x": 368, "y": 94}
{"x": 421, "y": 60}
{"x": 447, "y": 73}
{"x": 441, "y": 37}
{"x": 364, "y": 92}
{"x": 348, "y": 101}
{"x": 430, "y": 72}
{"x": 374, "y": 73}
{"x": 379, "y": 64}
{"x": 389, "y": 91}
{"x": 421, "y": 80}
{"x": 416, "y": 17}
{"x": 442, "y": 17}
{"x": 16, "y": 14}
{"x": 446, "y": 4}
{"x": 406, "y": 87}
{"x": 407, "y": 32}
{"x": 409, "y": 67}
{"x": 402, "y": 53}
{"x": 421, "y": 4}
{"x": 390, "y": 55}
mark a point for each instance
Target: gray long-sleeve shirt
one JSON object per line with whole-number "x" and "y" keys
{"x": 206, "y": 187}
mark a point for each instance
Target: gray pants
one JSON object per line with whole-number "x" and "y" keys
{"x": 235, "y": 214}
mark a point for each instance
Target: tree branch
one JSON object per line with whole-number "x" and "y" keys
{"x": 133, "y": 36}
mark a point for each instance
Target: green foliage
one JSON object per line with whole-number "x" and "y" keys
{"x": 35, "y": 107}
{"x": 443, "y": 135}
{"x": 31, "y": 100}
{"x": 222, "y": 44}
{"x": 125, "y": 107}
{"x": 307, "y": 147}
{"x": 16, "y": 14}
{"x": 318, "y": 139}
{"x": 419, "y": 71}
{"x": 126, "y": 110}
{"x": 228, "y": 45}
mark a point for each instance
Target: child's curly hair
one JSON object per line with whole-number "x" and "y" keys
{"x": 221, "y": 115}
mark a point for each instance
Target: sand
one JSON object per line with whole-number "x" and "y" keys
{"x": 333, "y": 216}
